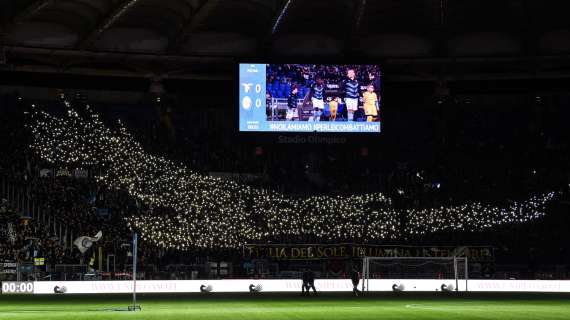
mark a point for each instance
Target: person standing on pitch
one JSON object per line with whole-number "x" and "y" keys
{"x": 355, "y": 278}
{"x": 311, "y": 282}
{"x": 305, "y": 285}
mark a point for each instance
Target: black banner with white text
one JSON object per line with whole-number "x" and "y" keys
{"x": 328, "y": 251}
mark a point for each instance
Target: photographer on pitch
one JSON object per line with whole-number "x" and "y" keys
{"x": 305, "y": 285}
{"x": 311, "y": 281}
{"x": 355, "y": 278}
{"x": 308, "y": 282}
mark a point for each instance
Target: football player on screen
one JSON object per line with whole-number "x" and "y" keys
{"x": 351, "y": 89}
{"x": 374, "y": 79}
{"x": 317, "y": 97}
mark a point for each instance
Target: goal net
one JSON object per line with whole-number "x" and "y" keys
{"x": 452, "y": 270}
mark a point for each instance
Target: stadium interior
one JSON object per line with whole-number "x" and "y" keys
{"x": 123, "y": 159}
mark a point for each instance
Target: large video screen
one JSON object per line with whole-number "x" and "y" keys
{"x": 309, "y": 98}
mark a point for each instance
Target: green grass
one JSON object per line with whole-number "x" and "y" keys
{"x": 279, "y": 306}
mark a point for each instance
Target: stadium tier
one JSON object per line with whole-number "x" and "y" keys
{"x": 85, "y": 180}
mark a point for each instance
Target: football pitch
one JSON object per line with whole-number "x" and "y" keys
{"x": 280, "y": 306}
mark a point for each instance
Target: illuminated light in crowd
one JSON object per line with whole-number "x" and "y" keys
{"x": 214, "y": 213}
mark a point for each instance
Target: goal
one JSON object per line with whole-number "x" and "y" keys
{"x": 452, "y": 269}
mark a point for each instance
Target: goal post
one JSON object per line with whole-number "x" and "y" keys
{"x": 410, "y": 268}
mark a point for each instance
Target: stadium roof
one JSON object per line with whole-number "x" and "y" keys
{"x": 189, "y": 38}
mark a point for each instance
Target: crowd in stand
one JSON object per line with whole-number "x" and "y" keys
{"x": 303, "y": 74}
{"x": 24, "y": 239}
{"x": 452, "y": 166}
{"x": 51, "y": 209}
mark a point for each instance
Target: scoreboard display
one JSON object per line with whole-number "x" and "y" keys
{"x": 309, "y": 98}
{"x": 16, "y": 287}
